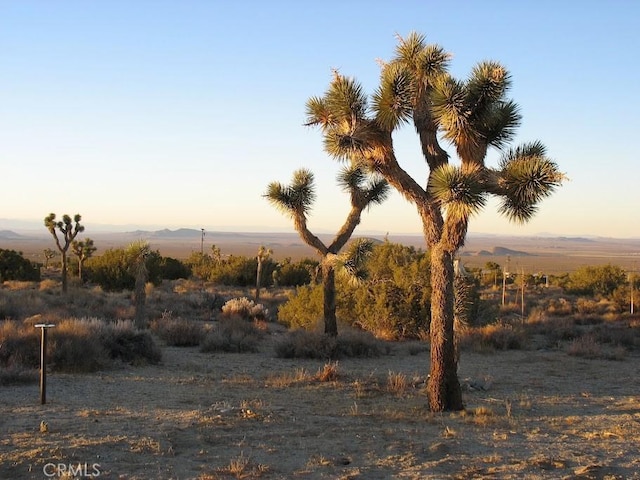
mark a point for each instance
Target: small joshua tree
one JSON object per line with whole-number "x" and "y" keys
{"x": 263, "y": 255}
{"x": 69, "y": 230}
{"x": 83, "y": 249}
{"x": 48, "y": 255}
{"x": 295, "y": 200}
{"x": 137, "y": 254}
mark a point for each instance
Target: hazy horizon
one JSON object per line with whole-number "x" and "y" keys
{"x": 171, "y": 114}
{"x": 34, "y": 227}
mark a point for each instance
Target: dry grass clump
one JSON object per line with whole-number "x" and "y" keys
{"x": 241, "y": 467}
{"x": 397, "y": 383}
{"x": 313, "y": 344}
{"x": 495, "y": 336}
{"x": 328, "y": 373}
{"x": 232, "y": 335}
{"x": 589, "y": 347}
{"x": 178, "y": 332}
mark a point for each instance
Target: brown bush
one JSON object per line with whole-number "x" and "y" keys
{"x": 178, "y": 332}
{"x": 496, "y": 336}
{"x": 232, "y": 335}
{"x": 313, "y": 344}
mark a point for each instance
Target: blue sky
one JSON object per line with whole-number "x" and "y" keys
{"x": 179, "y": 113}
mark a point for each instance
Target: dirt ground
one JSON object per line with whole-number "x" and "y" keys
{"x": 530, "y": 415}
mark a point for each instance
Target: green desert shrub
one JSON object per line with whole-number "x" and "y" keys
{"x": 595, "y": 281}
{"x": 13, "y": 266}
{"x": 294, "y": 274}
{"x": 113, "y": 270}
{"x": 232, "y": 335}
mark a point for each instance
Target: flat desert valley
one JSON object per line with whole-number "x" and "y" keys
{"x": 548, "y": 254}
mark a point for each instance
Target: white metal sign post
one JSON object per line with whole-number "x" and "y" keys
{"x": 43, "y": 361}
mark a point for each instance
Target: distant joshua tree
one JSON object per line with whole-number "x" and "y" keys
{"x": 69, "y": 232}
{"x": 295, "y": 200}
{"x": 263, "y": 255}
{"x": 83, "y": 250}
{"x": 48, "y": 255}
{"x": 137, "y": 253}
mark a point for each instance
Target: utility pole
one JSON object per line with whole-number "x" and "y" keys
{"x": 505, "y": 272}
{"x": 202, "y": 243}
{"x": 632, "y": 283}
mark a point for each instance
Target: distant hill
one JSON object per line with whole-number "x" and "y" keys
{"x": 166, "y": 233}
{"x": 9, "y": 235}
{"x": 503, "y": 251}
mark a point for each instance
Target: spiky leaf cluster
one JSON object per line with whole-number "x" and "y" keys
{"x": 526, "y": 177}
{"x": 460, "y": 190}
{"x": 365, "y": 188}
{"x": 295, "y": 199}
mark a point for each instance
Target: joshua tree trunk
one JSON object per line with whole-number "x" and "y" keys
{"x": 64, "y": 271}
{"x": 329, "y": 302}
{"x": 443, "y": 388}
{"x": 258, "y": 279}
{"x": 140, "y": 298}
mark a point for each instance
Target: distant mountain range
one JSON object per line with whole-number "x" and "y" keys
{"x": 9, "y": 235}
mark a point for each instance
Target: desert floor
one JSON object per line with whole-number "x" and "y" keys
{"x": 531, "y": 415}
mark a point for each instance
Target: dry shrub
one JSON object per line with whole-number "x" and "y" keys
{"x": 178, "y": 332}
{"x": 232, "y": 335}
{"x": 49, "y": 286}
{"x": 76, "y": 345}
{"x": 19, "y": 345}
{"x": 13, "y": 285}
{"x": 182, "y": 286}
{"x": 586, "y": 347}
{"x": 559, "y": 307}
{"x": 556, "y": 329}
{"x": 586, "y": 306}
{"x": 245, "y": 308}
{"x": 620, "y": 333}
{"x": 126, "y": 343}
{"x": 496, "y": 336}
{"x": 311, "y": 344}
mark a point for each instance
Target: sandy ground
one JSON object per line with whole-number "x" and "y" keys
{"x": 532, "y": 415}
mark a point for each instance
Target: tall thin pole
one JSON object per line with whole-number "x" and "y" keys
{"x": 632, "y": 286}
{"x": 202, "y": 243}
{"x": 43, "y": 361}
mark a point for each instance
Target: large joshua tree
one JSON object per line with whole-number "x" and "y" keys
{"x": 296, "y": 200}
{"x": 472, "y": 115}
{"x": 69, "y": 230}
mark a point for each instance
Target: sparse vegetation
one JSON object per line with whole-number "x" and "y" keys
{"x": 232, "y": 335}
